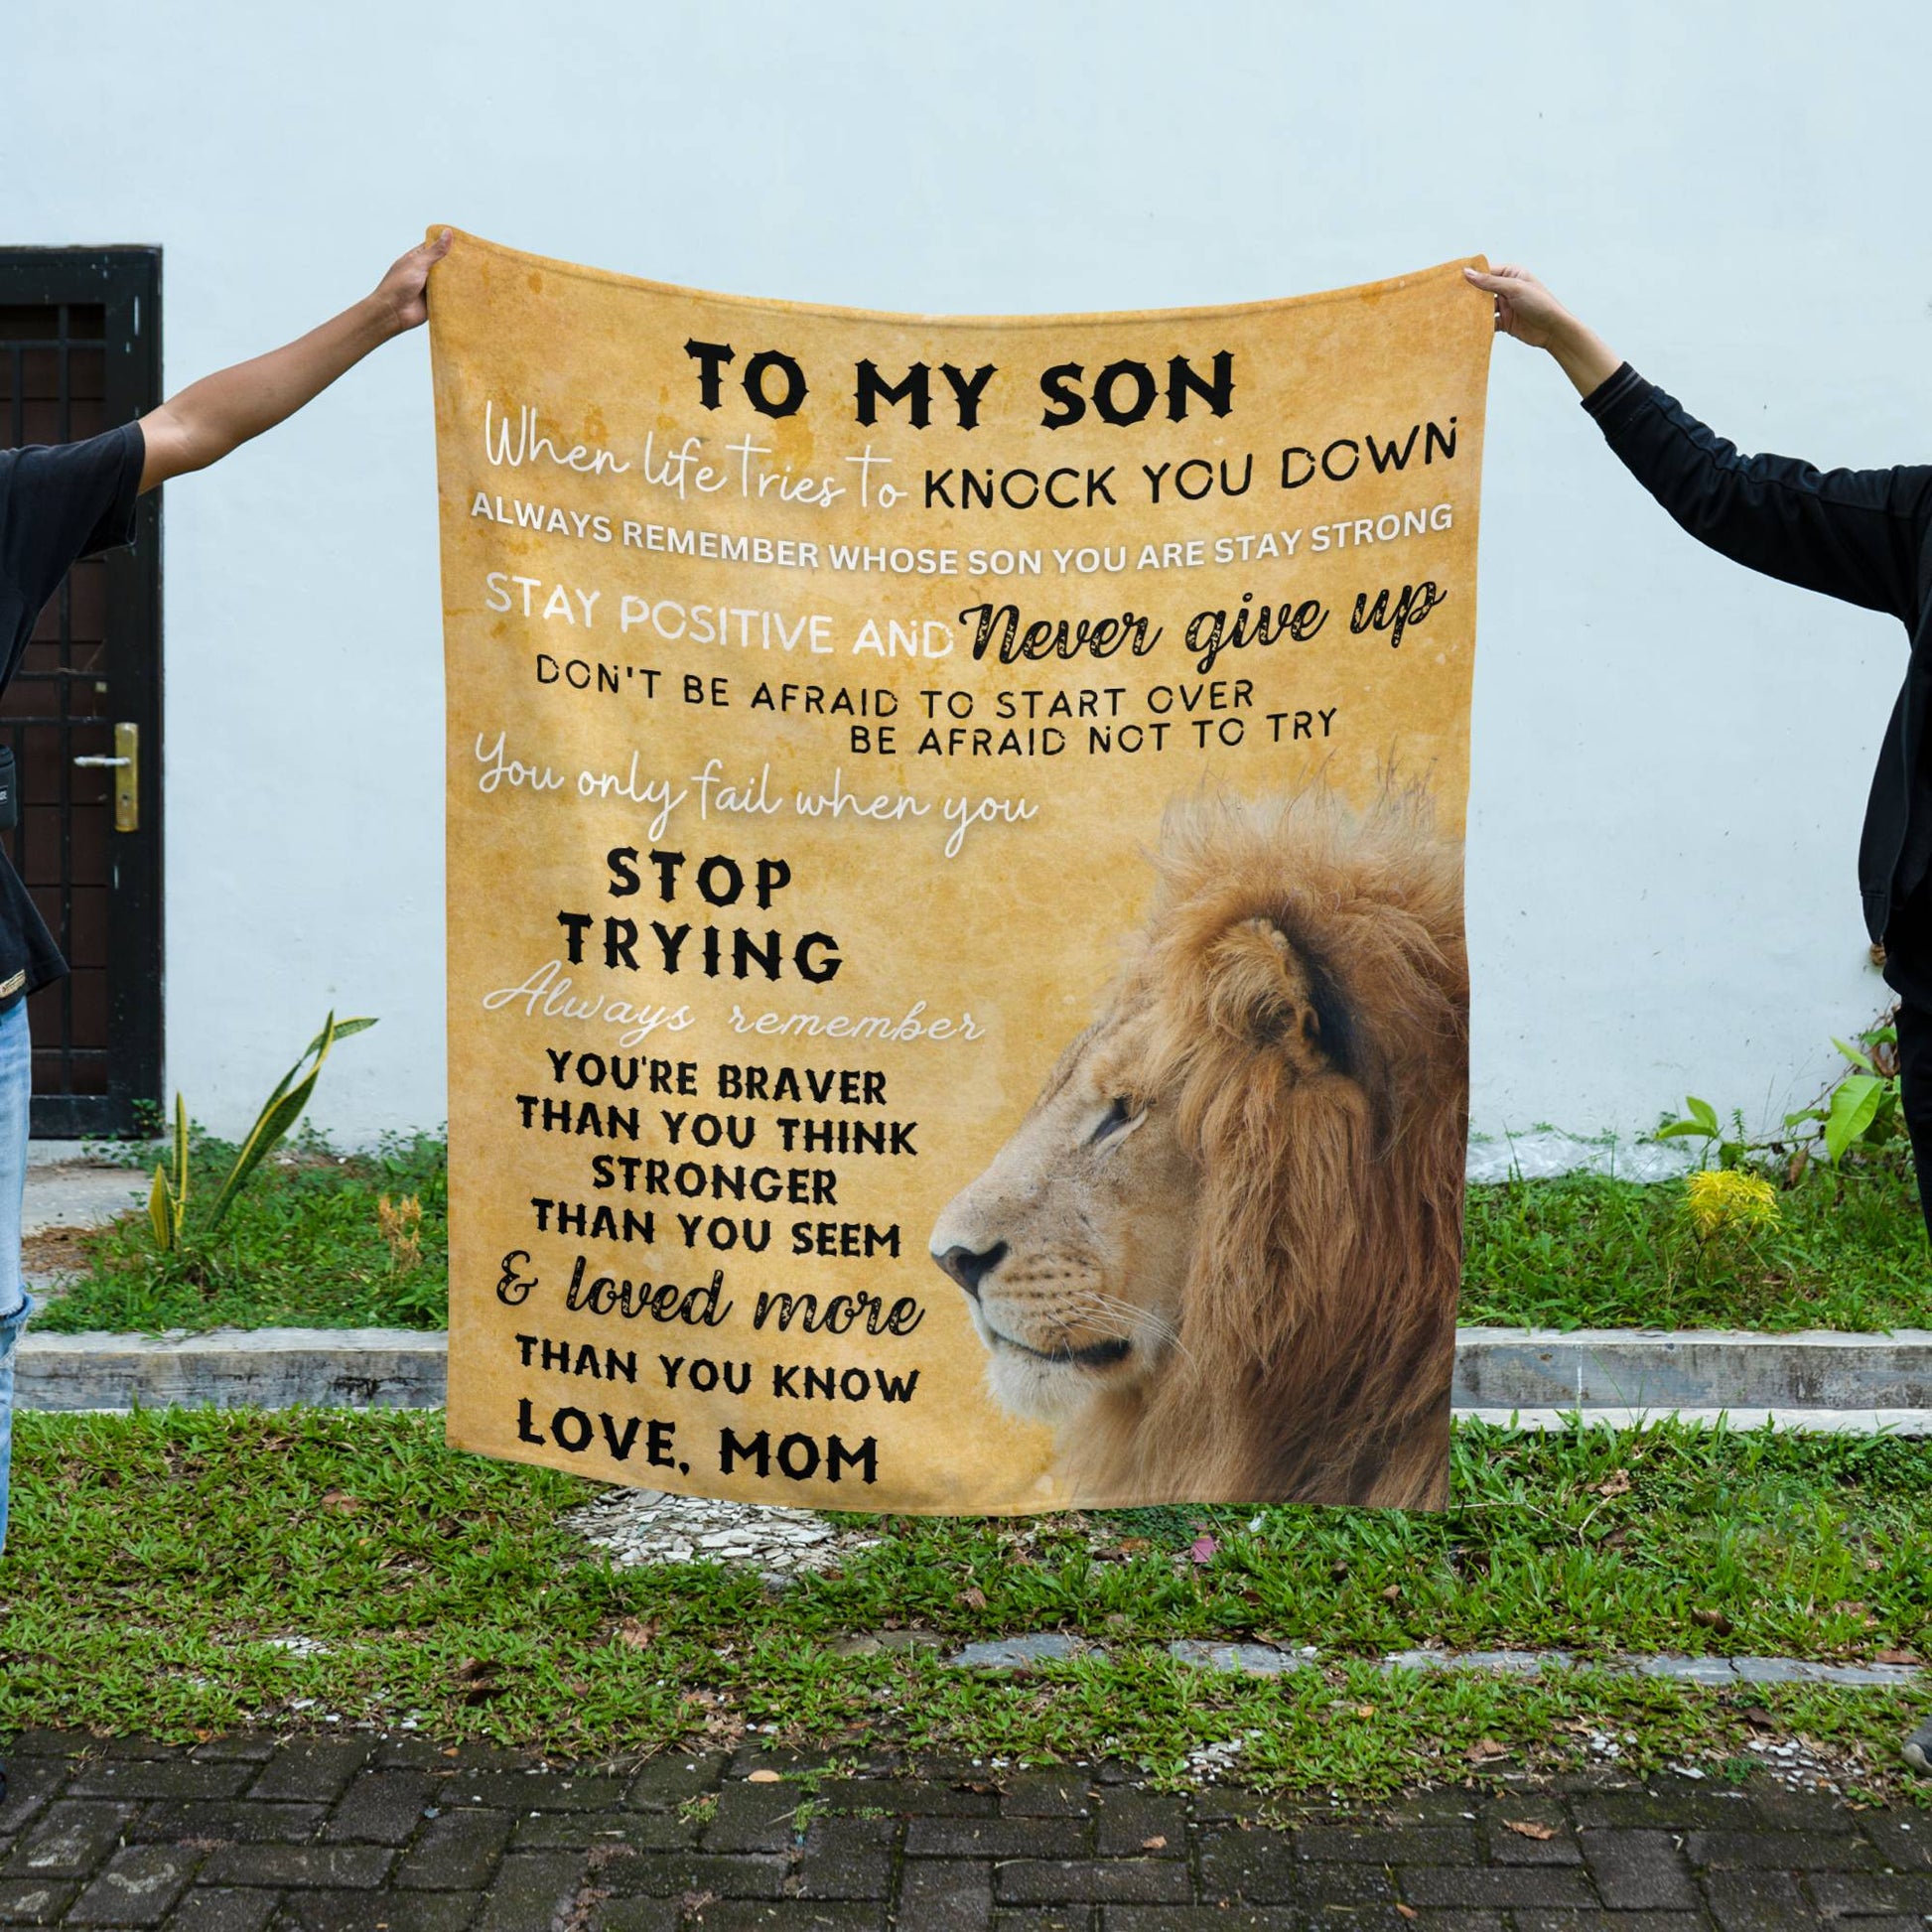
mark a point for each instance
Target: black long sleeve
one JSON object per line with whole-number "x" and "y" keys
{"x": 1856, "y": 534}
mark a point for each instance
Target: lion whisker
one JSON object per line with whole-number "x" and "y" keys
{"x": 1095, "y": 1302}
{"x": 1114, "y": 1305}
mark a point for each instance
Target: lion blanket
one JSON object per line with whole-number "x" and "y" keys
{"x": 957, "y": 996}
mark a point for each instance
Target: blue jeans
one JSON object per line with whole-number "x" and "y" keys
{"x": 16, "y": 1085}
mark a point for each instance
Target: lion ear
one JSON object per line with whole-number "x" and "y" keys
{"x": 1266, "y": 993}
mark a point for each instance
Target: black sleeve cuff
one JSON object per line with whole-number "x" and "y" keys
{"x": 1617, "y": 398}
{"x": 116, "y": 525}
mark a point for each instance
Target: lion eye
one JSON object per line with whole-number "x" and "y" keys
{"x": 1118, "y": 1114}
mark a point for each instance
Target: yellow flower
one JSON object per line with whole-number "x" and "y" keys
{"x": 1725, "y": 1201}
{"x": 401, "y": 1226}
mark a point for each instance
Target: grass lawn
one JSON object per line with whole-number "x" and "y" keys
{"x": 303, "y": 1247}
{"x": 1583, "y": 1252}
{"x": 155, "y": 1556}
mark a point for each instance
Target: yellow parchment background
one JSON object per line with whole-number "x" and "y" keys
{"x": 1022, "y": 928}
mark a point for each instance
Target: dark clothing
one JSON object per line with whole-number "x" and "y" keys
{"x": 1863, "y": 535}
{"x": 56, "y": 504}
{"x": 1915, "y": 1093}
{"x": 1909, "y": 947}
{"x": 1908, "y": 966}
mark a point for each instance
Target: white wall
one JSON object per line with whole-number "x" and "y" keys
{"x": 1671, "y": 755}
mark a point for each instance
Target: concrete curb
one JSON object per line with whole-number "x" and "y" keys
{"x": 1538, "y": 1378}
{"x": 1663, "y": 1369}
{"x": 233, "y": 1368}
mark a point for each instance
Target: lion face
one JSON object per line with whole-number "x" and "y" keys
{"x": 1072, "y": 1247}
{"x": 1220, "y": 1253}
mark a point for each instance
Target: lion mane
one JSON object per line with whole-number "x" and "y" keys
{"x": 1240, "y": 1280}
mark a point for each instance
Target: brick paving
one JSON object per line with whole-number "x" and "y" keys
{"x": 362, "y": 1834}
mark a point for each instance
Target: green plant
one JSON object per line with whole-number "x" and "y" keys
{"x": 302, "y": 1246}
{"x": 1863, "y": 1109}
{"x": 168, "y": 1198}
{"x": 1860, "y": 1110}
{"x": 1700, "y": 1122}
{"x": 133, "y": 1148}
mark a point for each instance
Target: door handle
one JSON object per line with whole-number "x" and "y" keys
{"x": 126, "y": 767}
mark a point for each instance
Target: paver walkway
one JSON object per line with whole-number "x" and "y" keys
{"x": 360, "y": 1834}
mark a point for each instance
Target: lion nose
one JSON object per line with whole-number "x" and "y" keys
{"x": 969, "y": 1269}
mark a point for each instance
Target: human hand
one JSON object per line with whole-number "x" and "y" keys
{"x": 1526, "y": 309}
{"x": 403, "y": 291}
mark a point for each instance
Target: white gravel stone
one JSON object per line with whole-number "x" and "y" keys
{"x": 643, "y": 1525}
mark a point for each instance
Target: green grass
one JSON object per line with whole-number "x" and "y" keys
{"x": 302, "y": 1247}
{"x": 154, "y": 1555}
{"x": 1584, "y": 1252}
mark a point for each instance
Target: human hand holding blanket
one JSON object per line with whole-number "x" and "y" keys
{"x": 1526, "y": 309}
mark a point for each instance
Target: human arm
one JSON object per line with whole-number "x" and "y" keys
{"x": 220, "y": 412}
{"x": 1855, "y": 534}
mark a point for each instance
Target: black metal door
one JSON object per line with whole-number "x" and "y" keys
{"x": 80, "y": 352}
